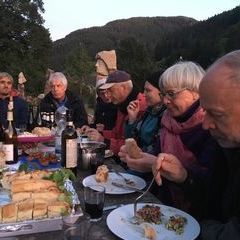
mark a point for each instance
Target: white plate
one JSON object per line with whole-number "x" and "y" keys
{"x": 118, "y": 222}
{"x": 113, "y": 177}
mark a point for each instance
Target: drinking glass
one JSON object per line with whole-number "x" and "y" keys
{"x": 94, "y": 197}
{"x": 22, "y": 128}
{"x": 79, "y": 230}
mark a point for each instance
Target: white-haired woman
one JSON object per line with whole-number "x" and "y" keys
{"x": 181, "y": 134}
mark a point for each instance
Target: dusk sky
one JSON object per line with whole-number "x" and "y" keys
{"x": 65, "y": 16}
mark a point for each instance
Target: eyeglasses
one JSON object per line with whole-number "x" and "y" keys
{"x": 171, "y": 94}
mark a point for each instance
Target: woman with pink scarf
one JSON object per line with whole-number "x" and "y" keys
{"x": 181, "y": 134}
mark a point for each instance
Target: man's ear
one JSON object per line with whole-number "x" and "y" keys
{"x": 195, "y": 95}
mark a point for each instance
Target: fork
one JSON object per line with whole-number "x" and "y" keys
{"x": 137, "y": 220}
{"x": 142, "y": 195}
{"x": 126, "y": 180}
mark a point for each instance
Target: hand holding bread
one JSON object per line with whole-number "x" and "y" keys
{"x": 132, "y": 148}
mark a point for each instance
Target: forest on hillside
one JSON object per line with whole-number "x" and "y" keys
{"x": 143, "y": 45}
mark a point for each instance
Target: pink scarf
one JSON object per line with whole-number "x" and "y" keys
{"x": 171, "y": 143}
{"x": 170, "y": 136}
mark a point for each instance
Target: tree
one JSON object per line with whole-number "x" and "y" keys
{"x": 134, "y": 58}
{"x": 25, "y": 45}
{"x": 79, "y": 69}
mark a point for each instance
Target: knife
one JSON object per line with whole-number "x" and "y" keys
{"x": 120, "y": 185}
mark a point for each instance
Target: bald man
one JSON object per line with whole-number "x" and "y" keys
{"x": 220, "y": 197}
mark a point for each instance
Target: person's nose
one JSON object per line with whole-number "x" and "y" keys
{"x": 165, "y": 100}
{"x": 208, "y": 122}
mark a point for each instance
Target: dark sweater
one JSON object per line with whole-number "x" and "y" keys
{"x": 105, "y": 113}
{"x": 73, "y": 102}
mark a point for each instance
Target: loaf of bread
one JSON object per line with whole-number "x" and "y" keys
{"x": 42, "y": 131}
{"x": 102, "y": 173}
{"x": 132, "y": 148}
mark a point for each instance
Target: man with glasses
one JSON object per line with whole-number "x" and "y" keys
{"x": 121, "y": 92}
{"x": 105, "y": 112}
{"x": 20, "y": 110}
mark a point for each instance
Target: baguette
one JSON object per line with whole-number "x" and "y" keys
{"x": 20, "y": 196}
{"x": 9, "y": 213}
{"x": 132, "y": 148}
{"x": 25, "y": 210}
{"x": 31, "y": 185}
{"x": 57, "y": 209}
{"x": 39, "y": 210}
{"x": 0, "y": 214}
{"x": 49, "y": 196}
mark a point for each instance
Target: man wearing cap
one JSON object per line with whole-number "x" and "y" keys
{"x": 20, "y": 109}
{"x": 105, "y": 112}
{"x": 122, "y": 92}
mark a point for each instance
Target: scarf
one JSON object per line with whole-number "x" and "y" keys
{"x": 171, "y": 143}
{"x": 170, "y": 135}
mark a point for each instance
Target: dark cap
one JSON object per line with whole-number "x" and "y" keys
{"x": 153, "y": 78}
{"x": 116, "y": 77}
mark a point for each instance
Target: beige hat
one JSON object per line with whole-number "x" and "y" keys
{"x": 109, "y": 57}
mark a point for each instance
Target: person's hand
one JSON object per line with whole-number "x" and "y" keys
{"x": 122, "y": 153}
{"x": 133, "y": 109}
{"x": 83, "y": 129}
{"x": 169, "y": 167}
{"x": 143, "y": 164}
{"x": 100, "y": 127}
{"x": 94, "y": 135}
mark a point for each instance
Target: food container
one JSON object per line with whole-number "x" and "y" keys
{"x": 41, "y": 225}
{"x": 91, "y": 152}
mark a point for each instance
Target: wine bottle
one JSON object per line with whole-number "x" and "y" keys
{"x": 30, "y": 124}
{"x": 39, "y": 118}
{"x": 69, "y": 153}
{"x": 10, "y": 137}
{"x": 1, "y": 134}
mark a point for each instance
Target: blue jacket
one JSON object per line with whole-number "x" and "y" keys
{"x": 20, "y": 111}
{"x": 145, "y": 130}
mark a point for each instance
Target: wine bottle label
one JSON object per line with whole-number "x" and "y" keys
{"x": 9, "y": 152}
{"x": 10, "y": 116}
{"x": 71, "y": 153}
{"x": 10, "y": 105}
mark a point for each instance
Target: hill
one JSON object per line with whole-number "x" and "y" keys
{"x": 147, "y": 30}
